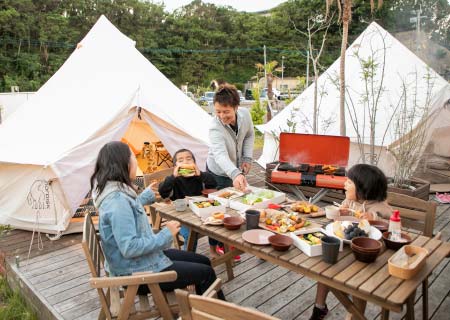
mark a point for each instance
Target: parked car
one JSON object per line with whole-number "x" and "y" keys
{"x": 241, "y": 96}
{"x": 249, "y": 94}
{"x": 207, "y": 97}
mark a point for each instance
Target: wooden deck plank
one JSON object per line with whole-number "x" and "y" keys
{"x": 257, "y": 284}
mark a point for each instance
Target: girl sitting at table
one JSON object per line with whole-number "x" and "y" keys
{"x": 365, "y": 192}
{"x": 184, "y": 183}
{"x": 127, "y": 238}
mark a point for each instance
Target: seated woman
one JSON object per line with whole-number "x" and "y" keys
{"x": 127, "y": 238}
{"x": 365, "y": 191}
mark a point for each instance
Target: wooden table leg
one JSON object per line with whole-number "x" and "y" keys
{"x": 191, "y": 240}
{"x": 348, "y": 304}
{"x": 360, "y": 304}
{"x": 157, "y": 220}
{"x": 229, "y": 263}
{"x": 384, "y": 314}
{"x": 425, "y": 299}
{"x": 410, "y": 307}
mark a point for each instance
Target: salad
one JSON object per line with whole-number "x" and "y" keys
{"x": 256, "y": 197}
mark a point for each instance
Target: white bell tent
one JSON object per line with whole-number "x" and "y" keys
{"x": 48, "y": 147}
{"x": 400, "y": 66}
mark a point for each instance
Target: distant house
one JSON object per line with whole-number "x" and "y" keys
{"x": 283, "y": 85}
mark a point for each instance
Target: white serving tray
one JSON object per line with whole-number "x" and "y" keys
{"x": 309, "y": 250}
{"x": 236, "y": 204}
{"x": 225, "y": 201}
{"x": 204, "y": 213}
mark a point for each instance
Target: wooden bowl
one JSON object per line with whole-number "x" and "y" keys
{"x": 379, "y": 224}
{"x": 365, "y": 244}
{"x": 395, "y": 245}
{"x": 367, "y": 257}
{"x": 280, "y": 242}
{"x": 365, "y": 249}
{"x": 232, "y": 223}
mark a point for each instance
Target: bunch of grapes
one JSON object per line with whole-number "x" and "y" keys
{"x": 353, "y": 231}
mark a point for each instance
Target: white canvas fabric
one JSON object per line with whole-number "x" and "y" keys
{"x": 400, "y": 64}
{"x": 49, "y": 145}
{"x": 11, "y": 101}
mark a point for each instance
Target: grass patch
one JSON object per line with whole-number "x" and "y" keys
{"x": 259, "y": 141}
{"x": 12, "y": 305}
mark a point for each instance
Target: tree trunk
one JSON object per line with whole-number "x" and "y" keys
{"x": 315, "y": 115}
{"x": 346, "y": 14}
{"x": 269, "y": 96}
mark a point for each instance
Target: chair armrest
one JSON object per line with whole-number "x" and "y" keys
{"x": 141, "y": 278}
{"x": 213, "y": 289}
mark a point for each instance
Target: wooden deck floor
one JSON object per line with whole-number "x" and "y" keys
{"x": 55, "y": 279}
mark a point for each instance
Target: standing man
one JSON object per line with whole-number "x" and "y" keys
{"x": 231, "y": 137}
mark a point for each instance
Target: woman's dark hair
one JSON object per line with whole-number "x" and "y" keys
{"x": 370, "y": 182}
{"x": 179, "y": 151}
{"x": 227, "y": 95}
{"x": 112, "y": 165}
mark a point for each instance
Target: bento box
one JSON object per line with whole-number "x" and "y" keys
{"x": 204, "y": 207}
{"x": 309, "y": 241}
{"x": 224, "y": 196}
{"x": 258, "y": 198}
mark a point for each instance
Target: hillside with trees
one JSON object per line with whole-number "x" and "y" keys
{"x": 193, "y": 44}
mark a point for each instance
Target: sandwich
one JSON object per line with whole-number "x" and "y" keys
{"x": 186, "y": 170}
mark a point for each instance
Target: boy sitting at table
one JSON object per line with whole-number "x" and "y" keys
{"x": 365, "y": 194}
{"x": 186, "y": 180}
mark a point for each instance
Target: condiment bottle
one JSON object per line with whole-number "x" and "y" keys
{"x": 395, "y": 227}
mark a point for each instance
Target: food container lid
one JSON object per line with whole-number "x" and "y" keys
{"x": 297, "y": 148}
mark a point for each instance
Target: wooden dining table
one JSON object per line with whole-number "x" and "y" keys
{"x": 352, "y": 282}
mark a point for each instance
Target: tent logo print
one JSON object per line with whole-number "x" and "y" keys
{"x": 39, "y": 195}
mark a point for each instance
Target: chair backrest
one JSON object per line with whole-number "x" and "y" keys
{"x": 194, "y": 307}
{"x": 91, "y": 246}
{"x": 416, "y": 213}
{"x": 157, "y": 175}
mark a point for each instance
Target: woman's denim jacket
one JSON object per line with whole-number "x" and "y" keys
{"x": 126, "y": 235}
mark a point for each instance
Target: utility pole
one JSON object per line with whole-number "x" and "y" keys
{"x": 419, "y": 12}
{"x": 265, "y": 61}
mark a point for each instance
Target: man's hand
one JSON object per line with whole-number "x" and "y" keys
{"x": 245, "y": 167}
{"x": 174, "y": 227}
{"x": 240, "y": 182}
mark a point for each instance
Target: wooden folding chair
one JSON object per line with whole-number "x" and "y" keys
{"x": 419, "y": 215}
{"x": 194, "y": 307}
{"x": 112, "y": 306}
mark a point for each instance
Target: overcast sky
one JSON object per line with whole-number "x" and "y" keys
{"x": 240, "y": 5}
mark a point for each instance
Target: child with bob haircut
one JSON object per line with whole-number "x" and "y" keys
{"x": 365, "y": 191}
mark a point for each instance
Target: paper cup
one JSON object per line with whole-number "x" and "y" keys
{"x": 332, "y": 212}
{"x": 180, "y": 204}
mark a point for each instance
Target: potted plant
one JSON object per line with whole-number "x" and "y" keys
{"x": 410, "y": 126}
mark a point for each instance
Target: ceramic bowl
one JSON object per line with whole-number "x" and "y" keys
{"x": 379, "y": 224}
{"x": 395, "y": 245}
{"x": 365, "y": 244}
{"x": 280, "y": 242}
{"x": 232, "y": 223}
{"x": 366, "y": 249}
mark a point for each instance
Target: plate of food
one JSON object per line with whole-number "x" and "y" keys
{"x": 216, "y": 219}
{"x": 305, "y": 207}
{"x": 283, "y": 222}
{"x": 347, "y": 230}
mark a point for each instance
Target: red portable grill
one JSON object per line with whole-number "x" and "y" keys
{"x": 312, "y": 160}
